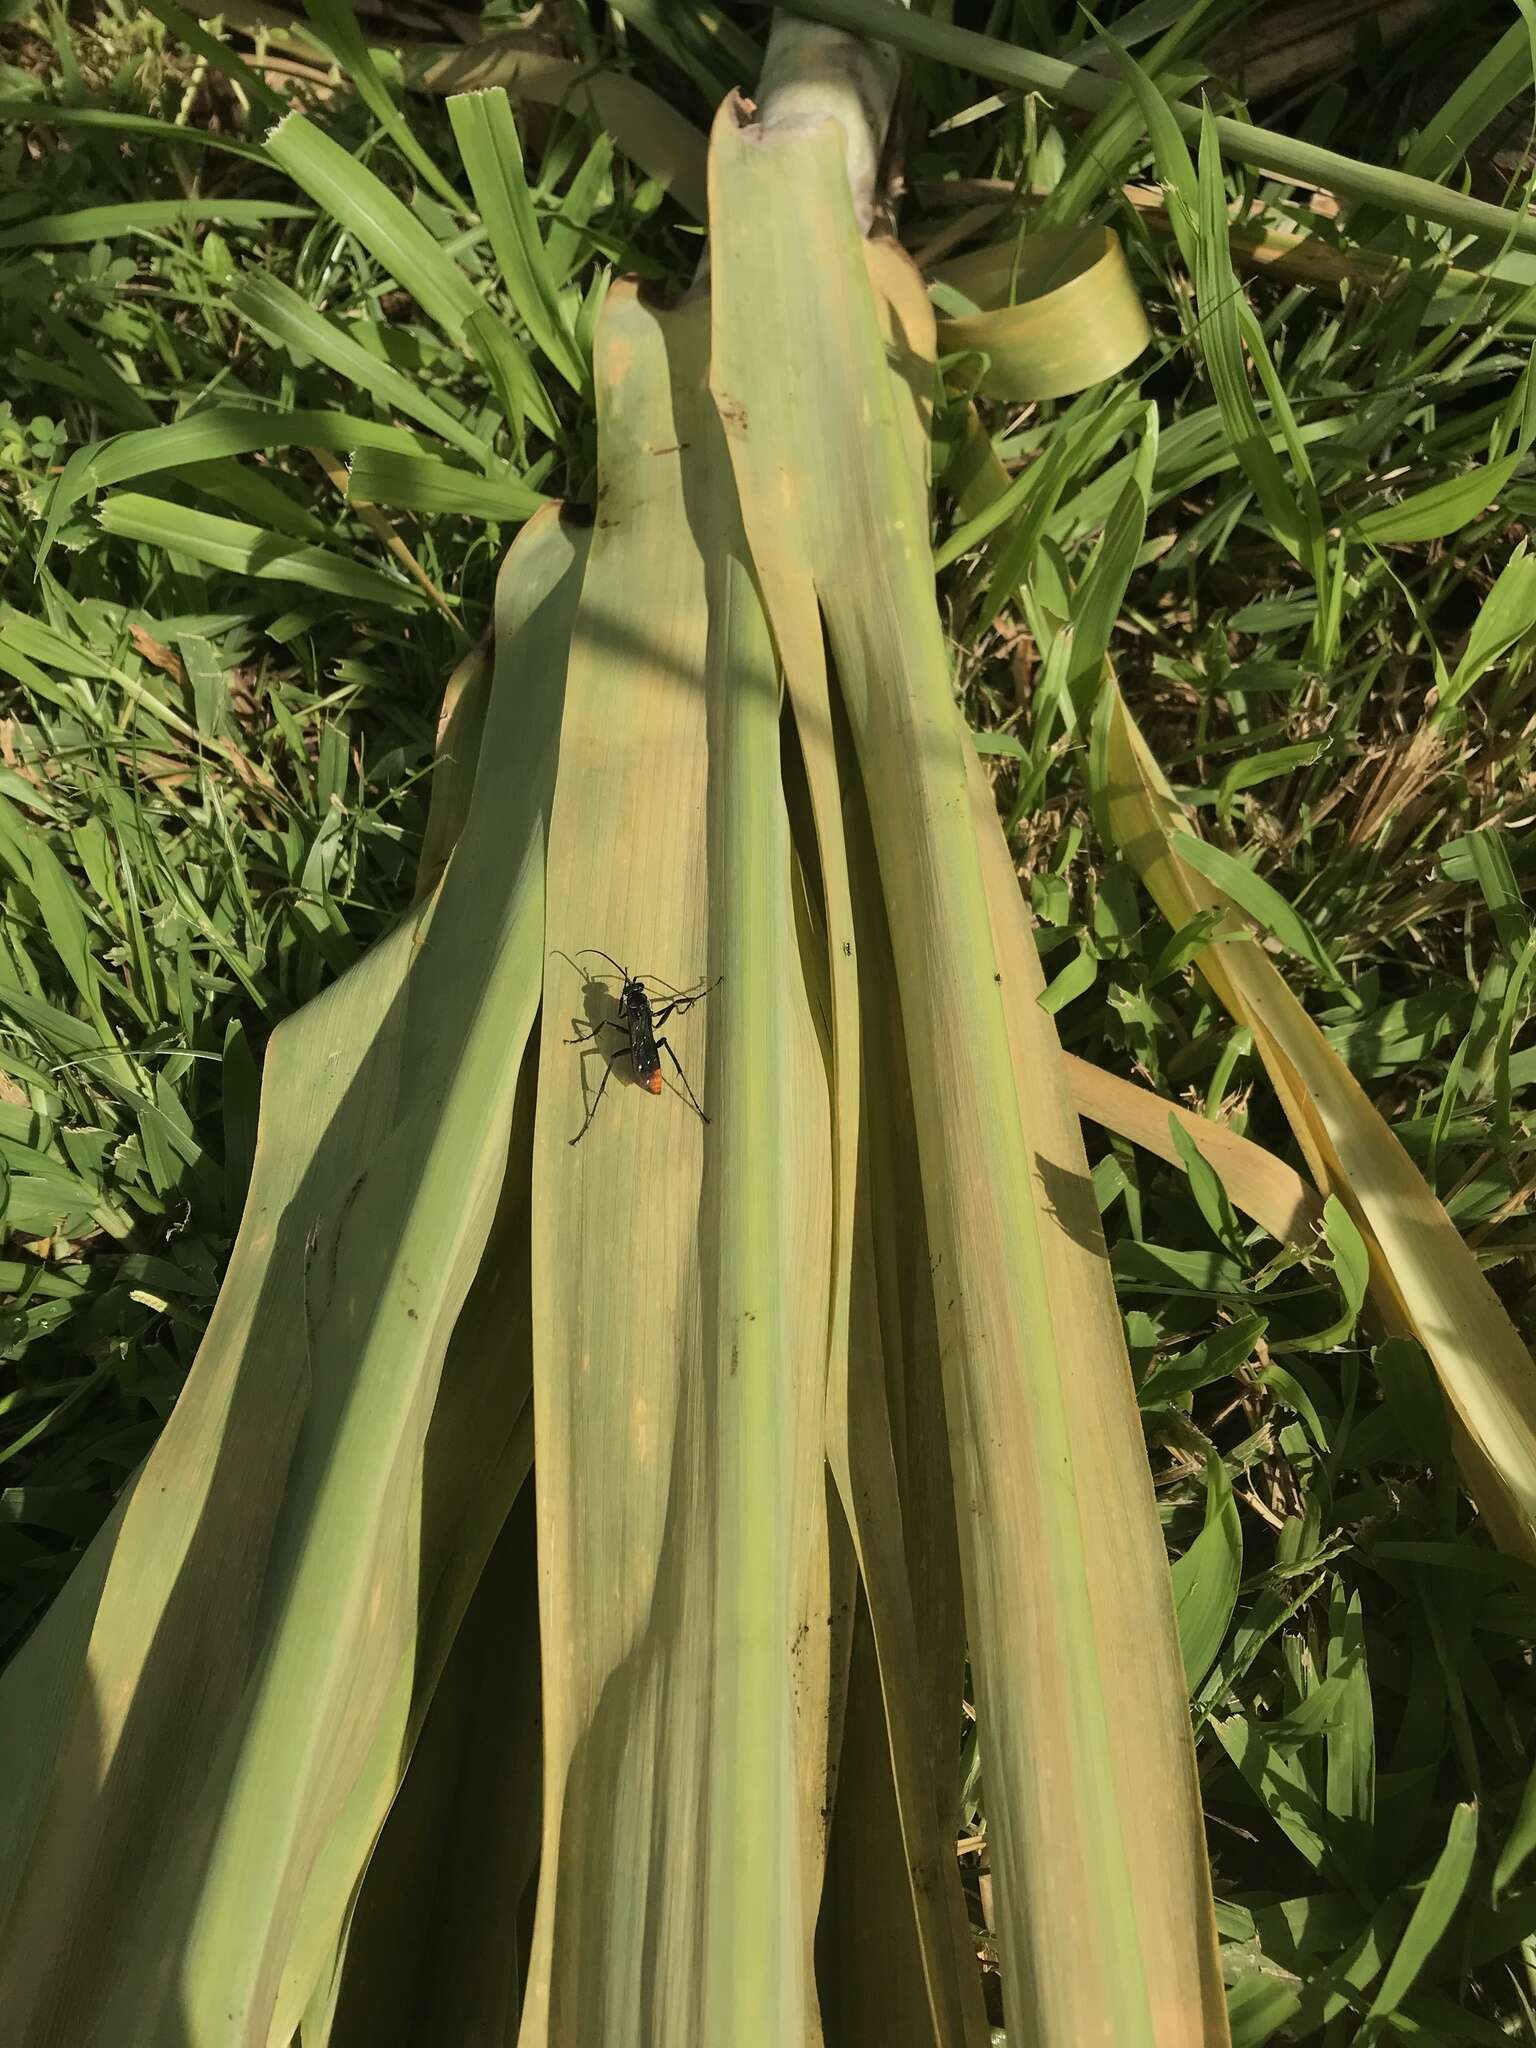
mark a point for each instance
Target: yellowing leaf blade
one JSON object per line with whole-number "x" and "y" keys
{"x": 832, "y": 486}
{"x": 1425, "y": 1280}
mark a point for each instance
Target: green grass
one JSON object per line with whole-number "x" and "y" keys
{"x": 219, "y": 702}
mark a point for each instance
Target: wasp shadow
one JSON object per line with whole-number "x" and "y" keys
{"x": 599, "y": 1033}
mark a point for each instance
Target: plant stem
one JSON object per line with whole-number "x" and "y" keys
{"x": 813, "y": 73}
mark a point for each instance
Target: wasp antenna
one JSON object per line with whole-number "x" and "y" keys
{"x": 559, "y": 954}
{"x": 618, "y": 970}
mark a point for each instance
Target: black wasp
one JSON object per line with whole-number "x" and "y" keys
{"x": 641, "y": 1016}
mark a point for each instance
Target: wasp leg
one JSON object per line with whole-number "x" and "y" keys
{"x": 693, "y": 1100}
{"x": 686, "y": 1001}
{"x": 597, "y": 1098}
{"x": 586, "y": 1037}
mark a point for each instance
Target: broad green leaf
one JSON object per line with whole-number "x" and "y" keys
{"x": 477, "y": 1460}
{"x": 468, "y": 1811}
{"x": 313, "y": 1591}
{"x": 877, "y": 1990}
{"x": 1205, "y": 1578}
{"x": 681, "y": 1495}
{"x": 888, "y": 1453}
{"x": 249, "y": 550}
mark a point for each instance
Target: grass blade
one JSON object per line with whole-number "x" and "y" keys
{"x": 1263, "y": 903}
{"x": 336, "y": 25}
{"x": 224, "y": 60}
{"x": 1431, "y": 1916}
{"x": 1222, "y": 334}
{"x": 1502, "y": 75}
{"x": 1508, "y": 613}
{"x": 248, "y": 550}
{"x": 1444, "y": 508}
{"x": 1256, "y": 1182}
{"x": 279, "y": 312}
{"x": 493, "y": 156}
{"x": 1206, "y": 1577}
{"x": 212, "y": 434}
{"x": 425, "y": 483}
{"x": 37, "y": 113}
{"x": 1519, "y": 1842}
{"x": 646, "y": 128}
{"x": 1266, "y": 149}
{"x": 351, "y": 194}
{"x": 144, "y": 217}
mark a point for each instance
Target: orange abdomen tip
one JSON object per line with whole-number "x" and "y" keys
{"x": 654, "y": 1082}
